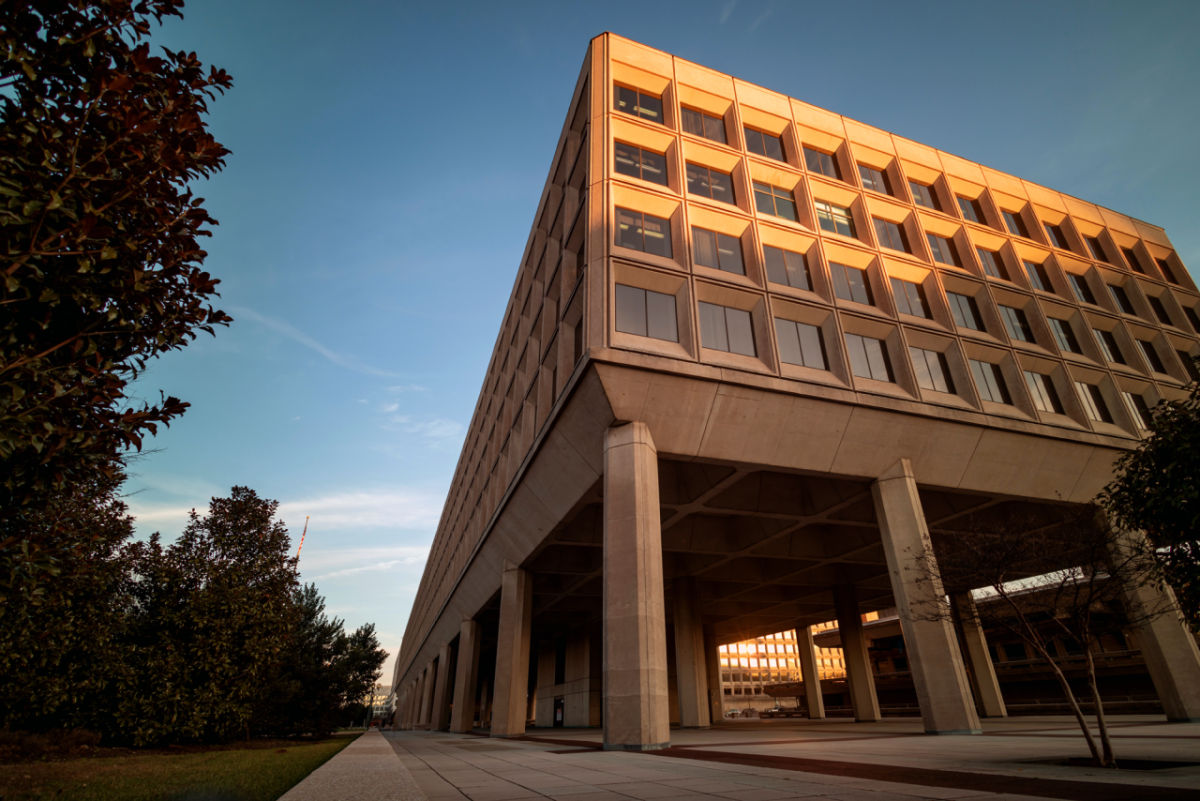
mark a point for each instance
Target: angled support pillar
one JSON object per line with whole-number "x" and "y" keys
{"x": 427, "y": 693}
{"x": 440, "y": 717}
{"x": 422, "y": 680}
{"x": 691, "y": 676}
{"x": 855, "y": 654}
{"x": 989, "y": 700}
{"x": 809, "y": 671}
{"x": 512, "y": 653}
{"x": 712, "y": 667}
{"x": 462, "y": 718}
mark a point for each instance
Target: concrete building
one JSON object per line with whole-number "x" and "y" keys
{"x": 755, "y": 357}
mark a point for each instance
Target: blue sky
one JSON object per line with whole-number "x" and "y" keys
{"x": 388, "y": 158}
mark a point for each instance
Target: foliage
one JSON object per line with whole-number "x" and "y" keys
{"x": 1157, "y": 490}
{"x": 99, "y": 254}
{"x": 324, "y": 672}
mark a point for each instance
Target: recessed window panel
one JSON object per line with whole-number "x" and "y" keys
{"x": 1096, "y": 249}
{"x": 1139, "y": 410}
{"x": 1108, "y": 346}
{"x": 971, "y": 210}
{"x": 800, "y": 344}
{"x": 868, "y": 358}
{"x": 1189, "y": 364}
{"x": 1015, "y": 224}
{"x": 710, "y": 183}
{"x": 718, "y": 251}
{"x": 835, "y": 219}
{"x": 1056, "y": 236}
{"x": 787, "y": 268}
{"x": 989, "y": 380}
{"x": 646, "y": 314}
{"x": 1132, "y": 258}
{"x": 1121, "y": 298}
{"x": 1151, "y": 355}
{"x": 821, "y": 163}
{"x": 639, "y": 104}
{"x": 993, "y": 265}
{"x": 1064, "y": 335}
{"x": 1042, "y": 392}
{"x": 1038, "y": 279}
{"x": 875, "y": 180}
{"x": 1093, "y": 403}
{"x": 890, "y": 235}
{"x": 1167, "y": 272}
{"x": 726, "y": 329}
{"x": 965, "y": 311}
{"x": 850, "y": 283}
{"x": 924, "y": 195}
{"x": 943, "y": 249}
{"x": 643, "y": 232}
{"x": 644, "y": 164}
{"x": 775, "y": 201}
{"x": 702, "y": 124}
{"x": 762, "y": 143}
{"x": 1016, "y": 324}
{"x": 1080, "y": 288}
{"x": 932, "y": 370}
{"x": 1160, "y": 310}
{"x": 1193, "y": 317}
{"x": 910, "y": 298}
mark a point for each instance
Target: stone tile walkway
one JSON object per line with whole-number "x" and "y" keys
{"x": 366, "y": 769}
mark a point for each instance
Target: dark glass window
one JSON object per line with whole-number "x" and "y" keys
{"x": 1093, "y": 402}
{"x": 643, "y": 232}
{"x": 1079, "y": 285}
{"x": 993, "y": 265}
{"x": 1041, "y": 389}
{"x": 933, "y": 372}
{"x": 774, "y": 200}
{"x": 764, "y": 144}
{"x": 1132, "y": 258}
{"x": 835, "y": 219}
{"x": 910, "y": 298}
{"x": 966, "y": 313}
{"x": 709, "y": 183}
{"x": 718, "y": 251}
{"x": 1189, "y": 364}
{"x": 639, "y": 104}
{"x": 646, "y": 313}
{"x": 890, "y": 235}
{"x": 1015, "y": 224}
{"x": 1160, "y": 310}
{"x": 1108, "y": 346}
{"x": 1037, "y": 277}
{"x": 800, "y": 344}
{"x": 1056, "y": 236}
{"x": 1193, "y": 317}
{"x": 850, "y": 283}
{"x": 638, "y": 163}
{"x": 1139, "y": 410}
{"x": 1014, "y": 652}
{"x": 990, "y": 382}
{"x": 1167, "y": 272}
{"x": 1064, "y": 335}
{"x": 787, "y": 268}
{"x": 1121, "y": 297}
{"x": 1016, "y": 324}
{"x": 971, "y": 210}
{"x": 924, "y": 195}
{"x": 723, "y": 328}
{"x": 875, "y": 180}
{"x": 1096, "y": 248}
{"x": 944, "y": 251}
{"x": 868, "y": 358}
{"x": 706, "y": 125}
{"x": 1151, "y": 354}
{"x": 822, "y": 163}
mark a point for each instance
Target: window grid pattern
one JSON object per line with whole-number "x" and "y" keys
{"x": 851, "y": 283}
{"x": 775, "y": 201}
{"x": 868, "y": 358}
{"x": 989, "y": 380}
{"x": 702, "y": 124}
{"x": 710, "y": 183}
{"x": 932, "y": 370}
{"x": 835, "y": 219}
{"x": 875, "y": 180}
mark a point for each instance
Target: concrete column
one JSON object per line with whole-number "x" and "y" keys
{"x": 934, "y": 659}
{"x": 440, "y": 717}
{"x": 427, "y": 692}
{"x": 806, "y": 653}
{"x": 512, "y": 653}
{"x": 414, "y": 703}
{"x": 855, "y": 655}
{"x": 712, "y": 667}
{"x": 462, "y": 717}
{"x": 485, "y": 709}
{"x": 989, "y": 700}
{"x": 691, "y": 676}
{"x": 544, "y": 711}
{"x": 636, "y": 708}
{"x": 406, "y": 717}
{"x": 583, "y": 670}
{"x": 422, "y": 680}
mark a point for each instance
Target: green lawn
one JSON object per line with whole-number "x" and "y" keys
{"x": 241, "y": 775}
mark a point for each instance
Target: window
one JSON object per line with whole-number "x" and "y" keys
{"x": 723, "y": 328}
{"x": 1041, "y": 388}
{"x": 646, "y": 314}
{"x": 1166, "y": 271}
{"x": 835, "y": 219}
{"x": 993, "y": 265}
{"x": 1108, "y": 346}
{"x": 1093, "y": 402}
{"x": 1016, "y": 324}
{"x": 822, "y": 163}
{"x": 868, "y": 358}
{"x": 933, "y": 372}
{"x": 924, "y": 195}
{"x": 890, "y": 235}
{"x": 1096, "y": 248}
{"x": 910, "y": 298}
{"x": 944, "y": 251}
{"x": 1189, "y": 364}
{"x": 639, "y": 104}
{"x": 1056, "y": 236}
{"x": 1079, "y": 286}
{"x": 709, "y": 183}
{"x": 850, "y": 283}
{"x": 639, "y": 231}
{"x": 1038, "y": 279}
{"x": 971, "y": 210}
{"x": 1160, "y": 310}
{"x": 786, "y": 267}
{"x": 1014, "y": 652}
{"x": 1193, "y": 317}
{"x": 774, "y": 200}
{"x": 706, "y": 125}
{"x": 800, "y": 344}
{"x": 1133, "y": 260}
{"x": 1064, "y": 335}
{"x": 764, "y": 144}
{"x": 644, "y": 164}
{"x": 875, "y": 180}
{"x": 1015, "y": 224}
{"x": 965, "y": 311}
{"x": 990, "y": 382}
{"x": 1138, "y": 409}
{"x": 1151, "y": 354}
{"x": 718, "y": 251}
{"x": 1121, "y": 297}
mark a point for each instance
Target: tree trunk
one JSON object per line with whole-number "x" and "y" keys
{"x": 1108, "y": 760}
{"x": 1075, "y": 710}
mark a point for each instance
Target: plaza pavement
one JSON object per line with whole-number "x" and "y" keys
{"x": 365, "y": 769}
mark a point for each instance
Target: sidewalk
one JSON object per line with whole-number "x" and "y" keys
{"x": 368, "y": 768}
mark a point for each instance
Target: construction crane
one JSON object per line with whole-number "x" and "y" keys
{"x": 302, "y": 536}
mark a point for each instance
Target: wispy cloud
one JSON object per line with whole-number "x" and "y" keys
{"x": 406, "y": 388}
{"x": 770, "y": 9}
{"x": 438, "y": 429}
{"x": 727, "y": 10}
{"x": 348, "y": 361}
{"x": 389, "y": 407}
{"x": 375, "y": 568}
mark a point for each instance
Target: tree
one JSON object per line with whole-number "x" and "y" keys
{"x": 1067, "y": 576}
{"x": 1157, "y": 490}
{"x": 99, "y": 228}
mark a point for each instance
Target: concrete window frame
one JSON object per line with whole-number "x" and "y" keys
{"x": 1028, "y": 305}
{"x": 714, "y": 157}
{"x": 772, "y": 125}
{"x": 883, "y": 208}
{"x": 643, "y": 81}
{"x": 790, "y": 240}
{"x": 904, "y": 383}
{"x": 668, "y": 208}
{"x": 711, "y": 105}
{"x": 837, "y": 372}
{"x": 647, "y": 139}
{"x": 711, "y": 219}
{"x": 1014, "y": 382}
{"x": 939, "y": 317}
{"x": 836, "y": 147}
{"x": 667, "y": 283}
{"x": 1122, "y": 424}
{"x": 965, "y": 395}
{"x": 974, "y": 288}
{"x": 789, "y": 181}
{"x": 1120, "y": 333}
{"x": 1161, "y": 346}
{"x": 880, "y": 288}
{"x": 935, "y": 180}
{"x": 764, "y": 338}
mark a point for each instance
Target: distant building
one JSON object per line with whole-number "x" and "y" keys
{"x": 382, "y": 702}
